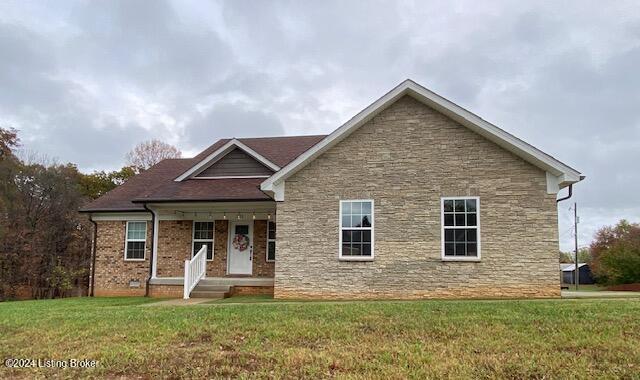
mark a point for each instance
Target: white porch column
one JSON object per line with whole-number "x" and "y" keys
{"x": 156, "y": 231}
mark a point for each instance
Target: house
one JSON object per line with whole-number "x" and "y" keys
{"x": 584, "y": 274}
{"x": 414, "y": 197}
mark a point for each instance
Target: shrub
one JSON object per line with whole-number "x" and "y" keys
{"x": 616, "y": 254}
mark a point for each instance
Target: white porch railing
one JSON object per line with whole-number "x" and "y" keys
{"x": 194, "y": 271}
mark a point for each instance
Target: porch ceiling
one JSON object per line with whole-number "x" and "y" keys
{"x": 216, "y": 210}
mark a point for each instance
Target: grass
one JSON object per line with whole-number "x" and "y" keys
{"x": 419, "y": 339}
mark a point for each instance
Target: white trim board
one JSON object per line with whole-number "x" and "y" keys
{"x": 266, "y": 252}
{"x": 444, "y": 257}
{"x": 114, "y": 216}
{"x": 221, "y": 152}
{"x": 207, "y": 241}
{"x": 562, "y": 174}
{"x": 127, "y": 240}
{"x": 341, "y": 257}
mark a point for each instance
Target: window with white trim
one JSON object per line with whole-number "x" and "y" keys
{"x": 356, "y": 229}
{"x": 271, "y": 241}
{"x": 136, "y": 240}
{"x": 203, "y": 233}
{"x": 461, "y": 228}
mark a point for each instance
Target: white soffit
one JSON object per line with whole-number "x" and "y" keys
{"x": 221, "y": 152}
{"x": 562, "y": 174}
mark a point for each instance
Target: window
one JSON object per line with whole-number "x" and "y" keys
{"x": 136, "y": 240}
{"x": 356, "y": 230}
{"x": 461, "y": 228}
{"x": 203, "y": 234}
{"x": 271, "y": 241}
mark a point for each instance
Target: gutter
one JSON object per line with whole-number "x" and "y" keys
{"x": 153, "y": 226}
{"x": 93, "y": 256}
{"x": 568, "y": 196}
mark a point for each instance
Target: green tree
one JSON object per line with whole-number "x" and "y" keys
{"x": 584, "y": 256}
{"x": 616, "y": 254}
{"x": 44, "y": 242}
{"x": 97, "y": 184}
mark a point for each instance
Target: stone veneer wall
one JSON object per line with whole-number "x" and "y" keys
{"x": 407, "y": 158}
{"x": 113, "y": 273}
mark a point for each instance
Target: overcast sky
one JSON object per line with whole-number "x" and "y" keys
{"x": 85, "y": 81}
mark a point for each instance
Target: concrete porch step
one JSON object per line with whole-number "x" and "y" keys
{"x": 212, "y": 288}
{"x": 209, "y": 294}
{"x": 209, "y": 290}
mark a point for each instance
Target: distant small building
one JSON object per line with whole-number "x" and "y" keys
{"x": 568, "y": 272}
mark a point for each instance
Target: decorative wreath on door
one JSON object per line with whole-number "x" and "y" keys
{"x": 241, "y": 242}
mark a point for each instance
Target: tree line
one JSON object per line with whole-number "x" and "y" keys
{"x": 45, "y": 243}
{"x": 613, "y": 256}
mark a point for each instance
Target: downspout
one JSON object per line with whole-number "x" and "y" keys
{"x": 93, "y": 256}
{"x": 153, "y": 224}
{"x": 568, "y": 196}
{"x": 558, "y": 201}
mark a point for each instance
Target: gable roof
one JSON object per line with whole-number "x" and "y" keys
{"x": 219, "y": 153}
{"x": 558, "y": 174}
{"x": 157, "y": 183}
{"x": 235, "y": 164}
{"x": 170, "y": 180}
{"x": 280, "y": 150}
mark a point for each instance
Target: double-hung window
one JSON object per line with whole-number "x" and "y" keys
{"x": 356, "y": 230}
{"x": 271, "y": 241}
{"x": 136, "y": 233}
{"x": 203, "y": 234}
{"x": 461, "y": 228}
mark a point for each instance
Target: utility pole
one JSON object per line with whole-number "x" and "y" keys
{"x": 576, "y": 276}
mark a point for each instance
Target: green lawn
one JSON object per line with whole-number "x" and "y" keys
{"x": 420, "y": 339}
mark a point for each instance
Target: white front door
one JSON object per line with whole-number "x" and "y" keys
{"x": 240, "y": 247}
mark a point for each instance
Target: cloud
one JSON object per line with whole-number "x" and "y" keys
{"x": 85, "y": 81}
{"x": 230, "y": 120}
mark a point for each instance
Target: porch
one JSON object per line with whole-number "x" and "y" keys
{"x": 212, "y": 287}
{"x": 236, "y": 242}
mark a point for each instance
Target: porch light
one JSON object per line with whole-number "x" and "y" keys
{"x": 254, "y": 215}
{"x": 224, "y": 216}
{"x": 238, "y": 216}
{"x": 269, "y": 216}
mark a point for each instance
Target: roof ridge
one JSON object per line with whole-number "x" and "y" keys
{"x": 276, "y": 137}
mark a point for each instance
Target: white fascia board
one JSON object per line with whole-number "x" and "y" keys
{"x": 221, "y": 152}
{"x": 117, "y": 216}
{"x": 431, "y": 99}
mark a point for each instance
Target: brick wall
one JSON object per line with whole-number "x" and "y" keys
{"x": 174, "y": 246}
{"x": 113, "y": 273}
{"x": 261, "y": 268}
{"x": 406, "y": 159}
{"x": 218, "y": 267}
{"x": 166, "y": 291}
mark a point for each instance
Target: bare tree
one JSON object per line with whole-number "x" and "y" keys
{"x": 149, "y": 153}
